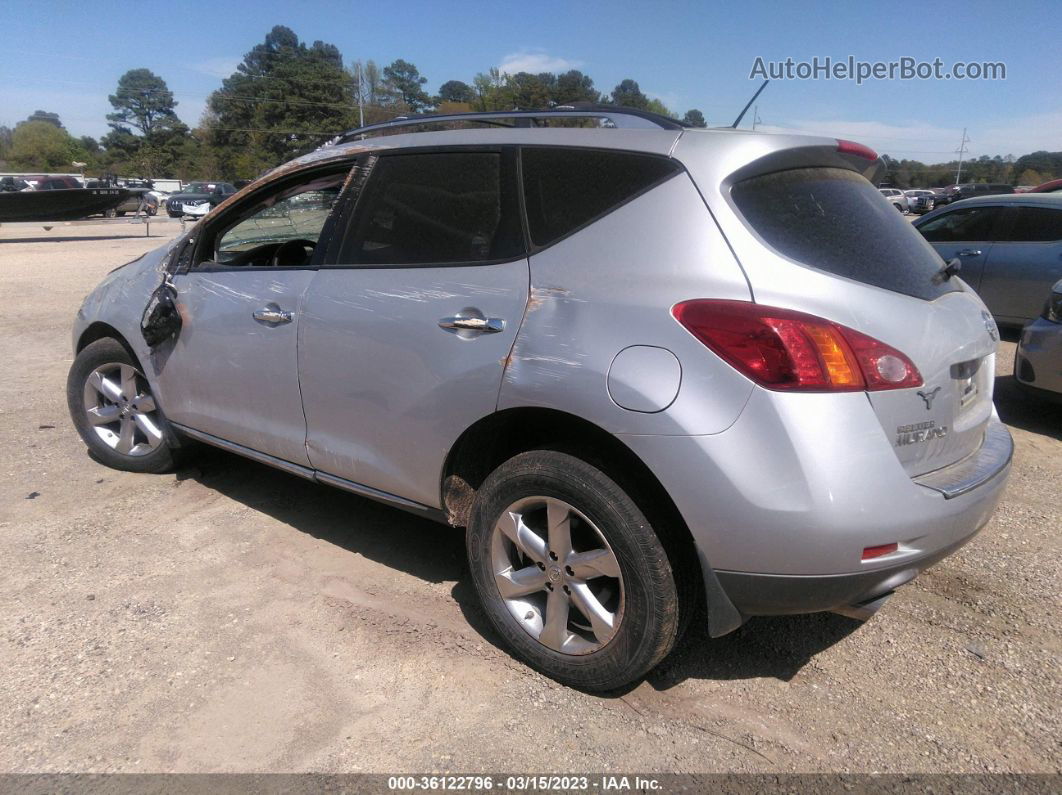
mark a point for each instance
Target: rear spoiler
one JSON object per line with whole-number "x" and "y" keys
{"x": 848, "y": 155}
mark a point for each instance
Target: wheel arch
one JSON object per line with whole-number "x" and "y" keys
{"x": 97, "y": 331}
{"x": 500, "y": 436}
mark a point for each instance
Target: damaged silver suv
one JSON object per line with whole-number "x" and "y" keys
{"x": 648, "y": 368}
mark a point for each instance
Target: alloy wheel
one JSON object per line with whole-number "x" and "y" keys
{"x": 557, "y": 575}
{"x": 121, "y": 409}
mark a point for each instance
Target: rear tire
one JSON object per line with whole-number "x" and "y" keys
{"x": 613, "y": 629}
{"x": 115, "y": 413}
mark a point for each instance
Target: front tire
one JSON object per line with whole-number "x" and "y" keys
{"x": 570, "y": 572}
{"x": 115, "y": 413}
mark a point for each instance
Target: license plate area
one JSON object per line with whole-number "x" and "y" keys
{"x": 969, "y": 377}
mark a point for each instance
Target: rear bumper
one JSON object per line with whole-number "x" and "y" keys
{"x": 779, "y": 594}
{"x": 782, "y": 504}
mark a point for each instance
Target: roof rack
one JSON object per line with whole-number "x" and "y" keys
{"x": 615, "y": 116}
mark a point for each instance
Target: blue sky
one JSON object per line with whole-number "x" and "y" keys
{"x": 67, "y": 57}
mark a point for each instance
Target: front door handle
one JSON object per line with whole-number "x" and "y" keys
{"x": 488, "y": 325}
{"x": 273, "y": 315}
{"x": 970, "y": 252}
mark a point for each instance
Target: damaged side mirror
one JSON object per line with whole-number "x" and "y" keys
{"x": 161, "y": 319}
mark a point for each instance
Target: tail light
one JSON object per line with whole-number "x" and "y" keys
{"x": 857, "y": 149}
{"x": 787, "y": 350}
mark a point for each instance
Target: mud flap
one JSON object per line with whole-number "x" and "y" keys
{"x": 161, "y": 320}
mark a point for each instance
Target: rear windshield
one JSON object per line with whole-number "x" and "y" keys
{"x": 834, "y": 220}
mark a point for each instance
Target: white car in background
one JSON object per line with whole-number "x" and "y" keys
{"x": 1038, "y": 361}
{"x": 920, "y": 201}
{"x": 896, "y": 197}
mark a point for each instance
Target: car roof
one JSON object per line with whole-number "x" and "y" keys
{"x": 650, "y": 141}
{"x": 1044, "y": 199}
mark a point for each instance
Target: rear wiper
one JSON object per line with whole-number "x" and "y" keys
{"x": 947, "y": 270}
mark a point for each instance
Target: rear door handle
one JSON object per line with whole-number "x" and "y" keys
{"x": 272, "y": 315}
{"x": 970, "y": 252}
{"x": 488, "y": 325}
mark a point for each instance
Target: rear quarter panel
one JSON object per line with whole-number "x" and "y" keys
{"x": 611, "y": 286}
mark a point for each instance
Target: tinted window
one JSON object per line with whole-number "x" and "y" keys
{"x": 449, "y": 207}
{"x": 1036, "y": 225}
{"x": 834, "y": 220}
{"x": 567, "y": 188}
{"x": 969, "y": 223}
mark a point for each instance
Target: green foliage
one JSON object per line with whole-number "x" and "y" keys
{"x": 455, "y": 91}
{"x": 43, "y": 115}
{"x": 656, "y": 106}
{"x": 915, "y": 174}
{"x": 574, "y": 86}
{"x": 142, "y": 101}
{"x": 41, "y": 146}
{"x": 489, "y": 91}
{"x": 1032, "y": 178}
{"x": 143, "y": 104}
{"x": 1047, "y": 164}
{"x": 529, "y": 92}
{"x": 629, "y": 95}
{"x": 694, "y": 118}
{"x": 406, "y": 84}
{"x": 284, "y": 98}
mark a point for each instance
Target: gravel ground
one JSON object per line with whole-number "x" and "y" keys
{"x": 234, "y": 618}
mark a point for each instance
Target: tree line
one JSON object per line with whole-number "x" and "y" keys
{"x": 1031, "y": 169}
{"x": 287, "y": 97}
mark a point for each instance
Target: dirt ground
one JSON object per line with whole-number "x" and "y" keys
{"x": 234, "y": 618}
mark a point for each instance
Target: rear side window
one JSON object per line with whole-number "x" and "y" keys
{"x": 565, "y": 189}
{"x": 834, "y": 220}
{"x": 438, "y": 208}
{"x": 969, "y": 223}
{"x": 1035, "y": 225}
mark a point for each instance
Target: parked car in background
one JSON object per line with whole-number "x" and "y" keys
{"x": 896, "y": 197}
{"x": 1038, "y": 360}
{"x": 971, "y": 190}
{"x": 942, "y": 196}
{"x": 1051, "y": 186}
{"x": 141, "y": 197}
{"x": 53, "y": 182}
{"x": 197, "y": 194}
{"x": 1010, "y": 249}
{"x": 790, "y": 411}
{"x": 920, "y": 201}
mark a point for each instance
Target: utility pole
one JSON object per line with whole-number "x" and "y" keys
{"x": 361, "y": 106}
{"x": 961, "y": 150}
{"x": 756, "y": 117}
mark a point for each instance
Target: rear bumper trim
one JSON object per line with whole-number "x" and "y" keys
{"x": 788, "y": 594}
{"x": 991, "y": 460}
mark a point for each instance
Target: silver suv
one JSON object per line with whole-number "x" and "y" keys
{"x": 648, "y": 368}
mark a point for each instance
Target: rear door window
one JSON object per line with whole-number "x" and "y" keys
{"x": 1034, "y": 225}
{"x": 968, "y": 223}
{"x": 834, "y": 220}
{"x": 566, "y": 189}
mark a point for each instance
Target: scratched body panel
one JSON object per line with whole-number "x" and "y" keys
{"x": 588, "y": 305}
{"x": 230, "y": 375}
{"x": 386, "y": 391}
